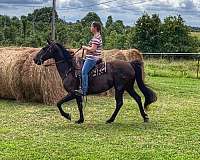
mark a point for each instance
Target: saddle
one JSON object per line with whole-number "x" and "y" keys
{"x": 97, "y": 70}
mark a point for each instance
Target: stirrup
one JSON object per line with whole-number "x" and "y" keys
{"x": 79, "y": 92}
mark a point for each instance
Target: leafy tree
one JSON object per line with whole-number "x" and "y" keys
{"x": 24, "y": 26}
{"x": 147, "y": 33}
{"x": 43, "y": 15}
{"x": 176, "y": 36}
{"x": 118, "y": 26}
{"x": 109, "y": 22}
{"x": 115, "y": 40}
{"x": 89, "y": 18}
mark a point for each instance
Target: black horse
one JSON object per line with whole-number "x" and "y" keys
{"x": 120, "y": 74}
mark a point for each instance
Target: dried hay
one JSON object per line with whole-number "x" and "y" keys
{"x": 21, "y": 79}
{"x": 42, "y": 84}
{"x": 10, "y": 64}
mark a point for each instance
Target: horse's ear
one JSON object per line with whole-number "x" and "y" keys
{"x": 48, "y": 41}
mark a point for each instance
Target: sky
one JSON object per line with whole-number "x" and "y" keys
{"x": 126, "y": 10}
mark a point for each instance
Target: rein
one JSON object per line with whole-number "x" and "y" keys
{"x": 54, "y": 63}
{"x": 61, "y": 61}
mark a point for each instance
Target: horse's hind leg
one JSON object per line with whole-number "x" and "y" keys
{"x": 139, "y": 102}
{"x": 59, "y": 105}
{"x": 80, "y": 108}
{"x": 119, "y": 103}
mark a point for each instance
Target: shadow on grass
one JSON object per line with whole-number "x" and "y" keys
{"x": 114, "y": 127}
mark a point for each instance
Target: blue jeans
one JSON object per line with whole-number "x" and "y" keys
{"x": 87, "y": 66}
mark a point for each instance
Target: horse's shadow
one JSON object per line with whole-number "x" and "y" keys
{"x": 114, "y": 127}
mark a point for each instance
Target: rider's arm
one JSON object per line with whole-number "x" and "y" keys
{"x": 90, "y": 49}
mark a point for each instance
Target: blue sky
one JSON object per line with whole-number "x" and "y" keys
{"x": 126, "y": 10}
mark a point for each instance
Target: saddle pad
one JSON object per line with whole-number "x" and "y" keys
{"x": 98, "y": 70}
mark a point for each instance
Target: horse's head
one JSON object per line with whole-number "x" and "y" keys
{"x": 45, "y": 53}
{"x": 52, "y": 50}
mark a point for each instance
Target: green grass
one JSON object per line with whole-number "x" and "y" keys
{"x": 196, "y": 34}
{"x": 35, "y": 131}
{"x": 171, "y": 68}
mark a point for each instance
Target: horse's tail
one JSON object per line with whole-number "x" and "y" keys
{"x": 150, "y": 95}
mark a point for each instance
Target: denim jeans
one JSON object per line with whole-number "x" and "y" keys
{"x": 87, "y": 66}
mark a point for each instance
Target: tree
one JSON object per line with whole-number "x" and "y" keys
{"x": 109, "y": 22}
{"x": 89, "y": 18}
{"x": 176, "y": 36}
{"x": 115, "y": 40}
{"x": 118, "y": 26}
{"x": 43, "y": 15}
{"x": 129, "y": 37}
{"x": 24, "y": 26}
{"x": 147, "y": 33}
{"x": 111, "y": 40}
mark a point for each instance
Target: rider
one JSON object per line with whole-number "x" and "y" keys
{"x": 93, "y": 54}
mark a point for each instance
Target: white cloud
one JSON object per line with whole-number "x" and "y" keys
{"x": 126, "y": 10}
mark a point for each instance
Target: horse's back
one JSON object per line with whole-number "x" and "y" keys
{"x": 118, "y": 73}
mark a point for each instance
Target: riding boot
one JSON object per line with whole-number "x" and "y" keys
{"x": 79, "y": 92}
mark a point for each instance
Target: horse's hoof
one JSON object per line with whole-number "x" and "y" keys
{"x": 146, "y": 120}
{"x": 79, "y": 121}
{"x": 109, "y": 121}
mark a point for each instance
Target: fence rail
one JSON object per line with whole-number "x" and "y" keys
{"x": 174, "y": 55}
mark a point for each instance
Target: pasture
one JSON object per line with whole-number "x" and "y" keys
{"x": 36, "y": 131}
{"x": 196, "y": 34}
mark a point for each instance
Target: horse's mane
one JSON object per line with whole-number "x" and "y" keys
{"x": 67, "y": 54}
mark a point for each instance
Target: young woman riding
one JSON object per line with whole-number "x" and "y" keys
{"x": 93, "y": 54}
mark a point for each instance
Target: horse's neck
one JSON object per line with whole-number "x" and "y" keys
{"x": 62, "y": 67}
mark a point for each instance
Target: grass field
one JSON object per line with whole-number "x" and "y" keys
{"x": 196, "y": 34}
{"x": 171, "y": 68}
{"x": 35, "y": 131}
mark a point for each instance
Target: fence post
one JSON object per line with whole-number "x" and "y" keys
{"x": 198, "y": 68}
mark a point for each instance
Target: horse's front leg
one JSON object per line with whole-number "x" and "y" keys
{"x": 63, "y": 100}
{"x": 79, "y": 101}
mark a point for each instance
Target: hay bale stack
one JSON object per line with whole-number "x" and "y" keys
{"x": 23, "y": 80}
{"x": 126, "y": 55}
{"x": 41, "y": 83}
{"x": 134, "y": 54}
{"x": 10, "y": 65}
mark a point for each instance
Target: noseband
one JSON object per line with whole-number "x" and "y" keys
{"x": 50, "y": 50}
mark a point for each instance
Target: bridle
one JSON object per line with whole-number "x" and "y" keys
{"x": 61, "y": 61}
{"x": 50, "y": 50}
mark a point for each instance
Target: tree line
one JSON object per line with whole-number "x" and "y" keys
{"x": 149, "y": 34}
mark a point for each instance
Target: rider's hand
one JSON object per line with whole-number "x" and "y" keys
{"x": 84, "y": 47}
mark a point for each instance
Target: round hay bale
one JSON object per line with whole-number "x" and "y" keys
{"x": 41, "y": 83}
{"x": 21, "y": 79}
{"x": 10, "y": 65}
{"x": 133, "y": 54}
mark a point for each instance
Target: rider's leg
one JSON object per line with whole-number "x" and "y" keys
{"x": 88, "y": 65}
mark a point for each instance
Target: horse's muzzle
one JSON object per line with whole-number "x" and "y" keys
{"x": 38, "y": 61}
